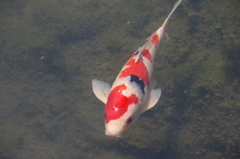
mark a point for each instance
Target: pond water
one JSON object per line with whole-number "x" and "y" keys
{"x": 52, "y": 49}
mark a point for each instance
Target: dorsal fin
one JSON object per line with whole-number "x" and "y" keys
{"x": 140, "y": 50}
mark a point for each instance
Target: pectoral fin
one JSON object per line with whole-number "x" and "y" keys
{"x": 152, "y": 99}
{"x": 101, "y": 89}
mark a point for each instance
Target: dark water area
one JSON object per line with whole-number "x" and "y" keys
{"x": 51, "y": 50}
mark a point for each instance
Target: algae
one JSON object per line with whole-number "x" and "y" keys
{"x": 50, "y": 51}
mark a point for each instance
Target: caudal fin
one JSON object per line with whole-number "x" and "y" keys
{"x": 167, "y": 19}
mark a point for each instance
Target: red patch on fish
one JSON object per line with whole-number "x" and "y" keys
{"x": 155, "y": 40}
{"x": 136, "y": 68}
{"x": 146, "y": 54}
{"x": 118, "y": 103}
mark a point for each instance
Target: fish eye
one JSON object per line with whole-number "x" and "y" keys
{"x": 129, "y": 119}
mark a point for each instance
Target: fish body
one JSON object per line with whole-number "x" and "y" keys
{"x": 132, "y": 92}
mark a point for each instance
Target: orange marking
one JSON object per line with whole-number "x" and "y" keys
{"x": 146, "y": 54}
{"x": 117, "y": 103}
{"x": 136, "y": 68}
{"x": 154, "y": 40}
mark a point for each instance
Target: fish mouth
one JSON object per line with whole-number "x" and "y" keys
{"x": 114, "y": 136}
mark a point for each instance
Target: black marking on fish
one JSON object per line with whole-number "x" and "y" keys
{"x": 138, "y": 81}
{"x": 143, "y": 43}
{"x": 135, "y": 53}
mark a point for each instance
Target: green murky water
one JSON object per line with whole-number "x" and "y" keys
{"x": 51, "y": 49}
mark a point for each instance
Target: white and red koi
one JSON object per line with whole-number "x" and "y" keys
{"x": 133, "y": 91}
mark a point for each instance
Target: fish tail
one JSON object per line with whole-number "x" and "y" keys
{"x": 174, "y": 8}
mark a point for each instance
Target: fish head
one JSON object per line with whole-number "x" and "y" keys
{"x": 120, "y": 111}
{"x": 116, "y": 128}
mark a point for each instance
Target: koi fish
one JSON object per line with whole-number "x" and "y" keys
{"x": 132, "y": 93}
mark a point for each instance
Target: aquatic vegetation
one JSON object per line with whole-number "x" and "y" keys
{"x": 51, "y": 49}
